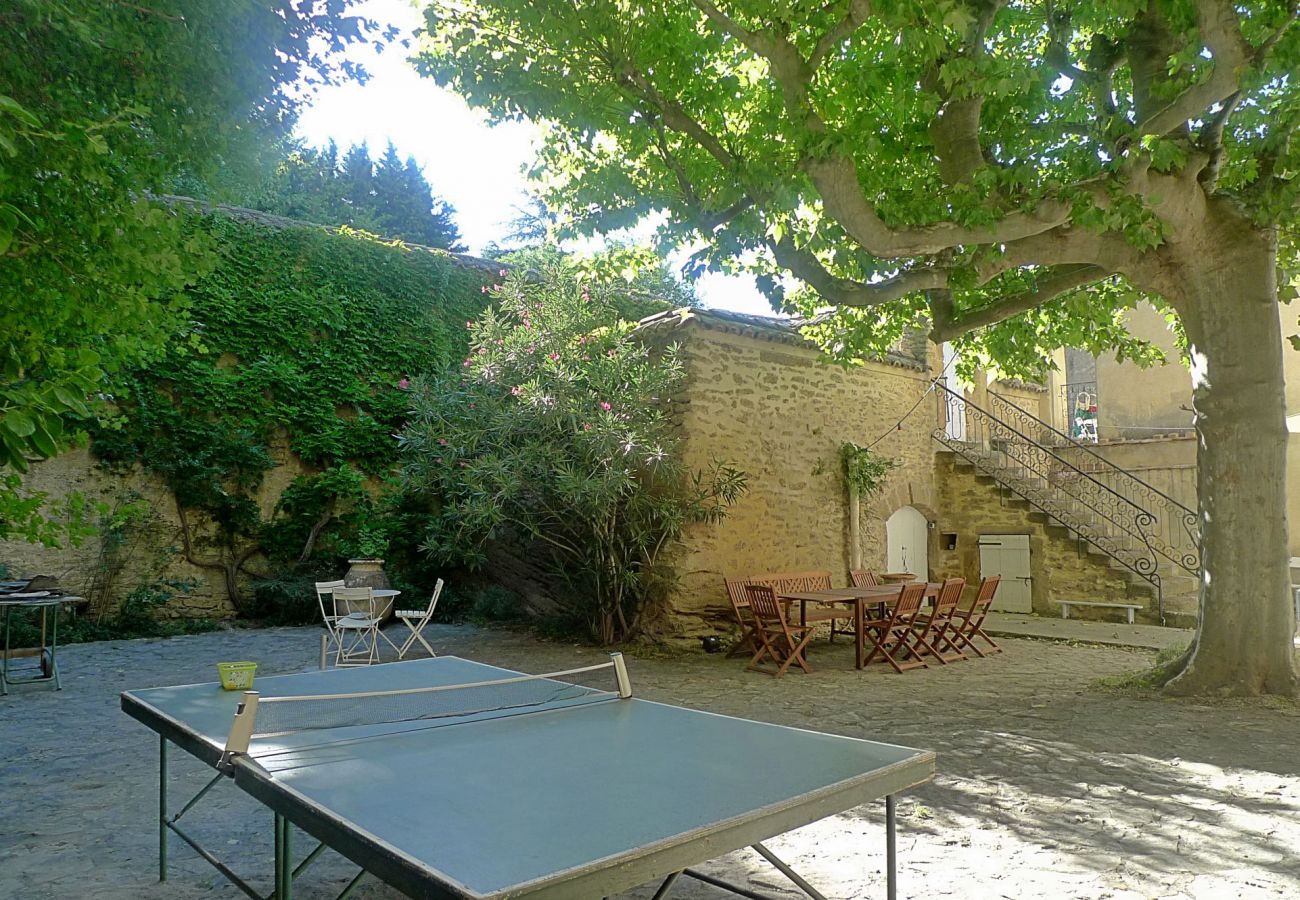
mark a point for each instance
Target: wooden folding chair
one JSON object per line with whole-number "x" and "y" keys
{"x": 748, "y": 643}
{"x": 776, "y": 637}
{"x": 816, "y": 580}
{"x": 863, "y": 578}
{"x": 934, "y": 630}
{"x": 894, "y": 636}
{"x": 416, "y": 619}
{"x": 968, "y": 624}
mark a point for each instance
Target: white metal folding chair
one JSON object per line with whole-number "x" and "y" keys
{"x": 416, "y": 619}
{"x": 325, "y": 597}
{"x": 356, "y": 627}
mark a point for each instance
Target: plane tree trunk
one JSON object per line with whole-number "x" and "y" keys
{"x": 1227, "y": 300}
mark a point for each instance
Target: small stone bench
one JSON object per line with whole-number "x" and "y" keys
{"x": 1130, "y": 608}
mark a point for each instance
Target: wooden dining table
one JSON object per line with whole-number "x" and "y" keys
{"x": 880, "y": 596}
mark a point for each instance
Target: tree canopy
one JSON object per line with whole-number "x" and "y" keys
{"x": 1015, "y": 173}
{"x": 104, "y": 104}
{"x": 389, "y": 197}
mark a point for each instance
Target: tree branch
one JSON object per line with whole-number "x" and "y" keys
{"x": 858, "y": 13}
{"x": 836, "y": 179}
{"x": 703, "y": 219}
{"x": 1061, "y": 280}
{"x": 845, "y": 291}
{"x": 1221, "y": 32}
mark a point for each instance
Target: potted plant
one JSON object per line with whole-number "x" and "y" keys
{"x": 366, "y": 569}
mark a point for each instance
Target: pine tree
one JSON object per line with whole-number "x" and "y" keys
{"x": 390, "y": 198}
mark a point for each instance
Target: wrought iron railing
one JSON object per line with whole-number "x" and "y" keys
{"x": 1095, "y": 512}
{"x": 1175, "y": 529}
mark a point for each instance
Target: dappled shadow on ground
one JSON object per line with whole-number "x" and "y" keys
{"x": 1044, "y": 786}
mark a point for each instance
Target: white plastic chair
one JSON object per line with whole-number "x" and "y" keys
{"x": 416, "y": 619}
{"x": 356, "y": 631}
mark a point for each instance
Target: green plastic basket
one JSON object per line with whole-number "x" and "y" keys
{"x": 236, "y": 676}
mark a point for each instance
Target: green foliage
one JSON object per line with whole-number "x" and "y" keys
{"x": 288, "y": 597}
{"x": 103, "y": 106}
{"x": 850, "y": 145}
{"x": 390, "y": 197}
{"x": 481, "y": 604}
{"x": 555, "y": 435}
{"x": 1145, "y": 681}
{"x": 305, "y": 342}
{"x": 864, "y": 471}
{"x": 142, "y": 614}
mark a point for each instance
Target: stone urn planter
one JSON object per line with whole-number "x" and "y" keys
{"x": 369, "y": 572}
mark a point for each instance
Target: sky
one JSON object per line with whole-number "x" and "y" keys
{"x": 476, "y": 167}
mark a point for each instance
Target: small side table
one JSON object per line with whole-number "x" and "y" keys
{"x": 47, "y": 652}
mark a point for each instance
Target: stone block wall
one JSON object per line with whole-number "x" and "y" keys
{"x": 105, "y": 568}
{"x": 970, "y": 506}
{"x": 769, "y": 404}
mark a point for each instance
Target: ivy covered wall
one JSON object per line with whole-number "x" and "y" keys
{"x": 263, "y": 436}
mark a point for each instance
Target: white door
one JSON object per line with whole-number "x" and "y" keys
{"x": 956, "y": 409}
{"x": 907, "y": 538}
{"x": 1008, "y": 555}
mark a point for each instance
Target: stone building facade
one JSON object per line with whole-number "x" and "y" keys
{"x": 757, "y": 396}
{"x": 762, "y": 398}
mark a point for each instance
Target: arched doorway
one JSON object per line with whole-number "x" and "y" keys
{"x": 907, "y": 537}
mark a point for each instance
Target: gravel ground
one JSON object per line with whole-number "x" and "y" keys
{"x": 1046, "y": 788}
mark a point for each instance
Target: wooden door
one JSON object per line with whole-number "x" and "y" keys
{"x": 1008, "y": 555}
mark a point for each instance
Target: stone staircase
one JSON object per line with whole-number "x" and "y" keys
{"x": 1146, "y": 538}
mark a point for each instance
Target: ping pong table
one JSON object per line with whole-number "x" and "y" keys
{"x": 569, "y": 799}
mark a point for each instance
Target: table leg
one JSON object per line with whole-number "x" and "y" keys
{"x": 278, "y": 837}
{"x": 54, "y": 649}
{"x": 286, "y": 892}
{"x": 891, "y": 851}
{"x": 162, "y": 808}
{"x": 859, "y": 630}
{"x": 4, "y": 663}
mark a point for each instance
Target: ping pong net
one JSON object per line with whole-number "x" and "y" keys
{"x": 260, "y": 717}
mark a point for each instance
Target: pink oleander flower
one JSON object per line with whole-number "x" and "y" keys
{"x": 586, "y": 426}
{"x": 501, "y": 272}
{"x": 467, "y": 361}
{"x": 404, "y": 383}
{"x": 516, "y": 390}
{"x": 605, "y": 406}
{"x": 482, "y": 350}
{"x": 553, "y": 356}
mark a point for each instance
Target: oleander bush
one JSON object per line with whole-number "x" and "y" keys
{"x": 554, "y": 437}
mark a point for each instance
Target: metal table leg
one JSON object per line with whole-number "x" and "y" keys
{"x": 4, "y": 662}
{"x": 162, "y": 808}
{"x": 891, "y": 851}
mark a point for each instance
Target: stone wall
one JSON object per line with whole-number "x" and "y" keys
{"x": 759, "y": 398}
{"x": 106, "y": 567}
{"x": 970, "y": 505}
